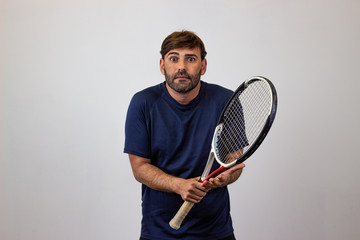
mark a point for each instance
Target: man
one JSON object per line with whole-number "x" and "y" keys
{"x": 168, "y": 131}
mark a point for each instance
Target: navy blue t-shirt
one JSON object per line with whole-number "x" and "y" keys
{"x": 177, "y": 139}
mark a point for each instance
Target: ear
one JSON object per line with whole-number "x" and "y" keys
{"x": 162, "y": 66}
{"x": 203, "y": 66}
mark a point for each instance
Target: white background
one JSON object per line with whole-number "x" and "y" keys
{"x": 69, "y": 68}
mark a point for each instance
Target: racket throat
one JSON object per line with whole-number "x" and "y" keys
{"x": 214, "y": 174}
{"x": 208, "y": 166}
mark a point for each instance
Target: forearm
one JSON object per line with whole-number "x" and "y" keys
{"x": 155, "y": 178}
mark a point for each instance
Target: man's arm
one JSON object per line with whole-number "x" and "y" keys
{"x": 191, "y": 190}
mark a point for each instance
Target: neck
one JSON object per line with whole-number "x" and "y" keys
{"x": 184, "y": 98}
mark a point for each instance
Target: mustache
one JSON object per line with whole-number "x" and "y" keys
{"x": 182, "y": 74}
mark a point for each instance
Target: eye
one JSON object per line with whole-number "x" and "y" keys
{"x": 173, "y": 59}
{"x": 191, "y": 59}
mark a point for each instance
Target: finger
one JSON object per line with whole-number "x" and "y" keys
{"x": 202, "y": 186}
{"x": 208, "y": 185}
{"x": 205, "y": 184}
{"x": 195, "y": 197}
{"x": 198, "y": 191}
{"x": 191, "y": 199}
{"x": 235, "y": 169}
{"x": 216, "y": 182}
{"x": 239, "y": 166}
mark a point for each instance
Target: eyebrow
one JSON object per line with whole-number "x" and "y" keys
{"x": 186, "y": 55}
{"x": 173, "y": 53}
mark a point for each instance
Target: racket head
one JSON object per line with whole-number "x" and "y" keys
{"x": 245, "y": 121}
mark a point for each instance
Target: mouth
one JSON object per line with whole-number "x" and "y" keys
{"x": 182, "y": 77}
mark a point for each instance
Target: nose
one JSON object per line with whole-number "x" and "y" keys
{"x": 181, "y": 65}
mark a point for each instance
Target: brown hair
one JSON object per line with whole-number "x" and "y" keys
{"x": 183, "y": 39}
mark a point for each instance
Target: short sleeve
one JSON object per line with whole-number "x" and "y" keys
{"x": 137, "y": 138}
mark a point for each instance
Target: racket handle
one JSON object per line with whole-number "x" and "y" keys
{"x": 179, "y": 217}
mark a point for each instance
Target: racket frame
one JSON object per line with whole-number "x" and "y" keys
{"x": 257, "y": 142}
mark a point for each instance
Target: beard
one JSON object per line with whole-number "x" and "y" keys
{"x": 182, "y": 86}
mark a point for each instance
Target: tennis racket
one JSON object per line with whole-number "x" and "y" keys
{"x": 242, "y": 126}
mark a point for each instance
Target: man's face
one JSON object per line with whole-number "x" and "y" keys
{"x": 182, "y": 68}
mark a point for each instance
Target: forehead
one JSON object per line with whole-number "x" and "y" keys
{"x": 185, "y": 51}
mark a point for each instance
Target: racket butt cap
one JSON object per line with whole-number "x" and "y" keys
{"x": 174, "y": 225}
{"x": 179, "y": 217}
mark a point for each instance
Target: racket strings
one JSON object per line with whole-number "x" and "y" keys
{"x": 243, "y": 121}
{"x": 257, "y": 102}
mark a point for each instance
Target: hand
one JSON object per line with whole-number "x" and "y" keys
{"x": 192, "y": 190}
{"x": 225, "y": 178}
